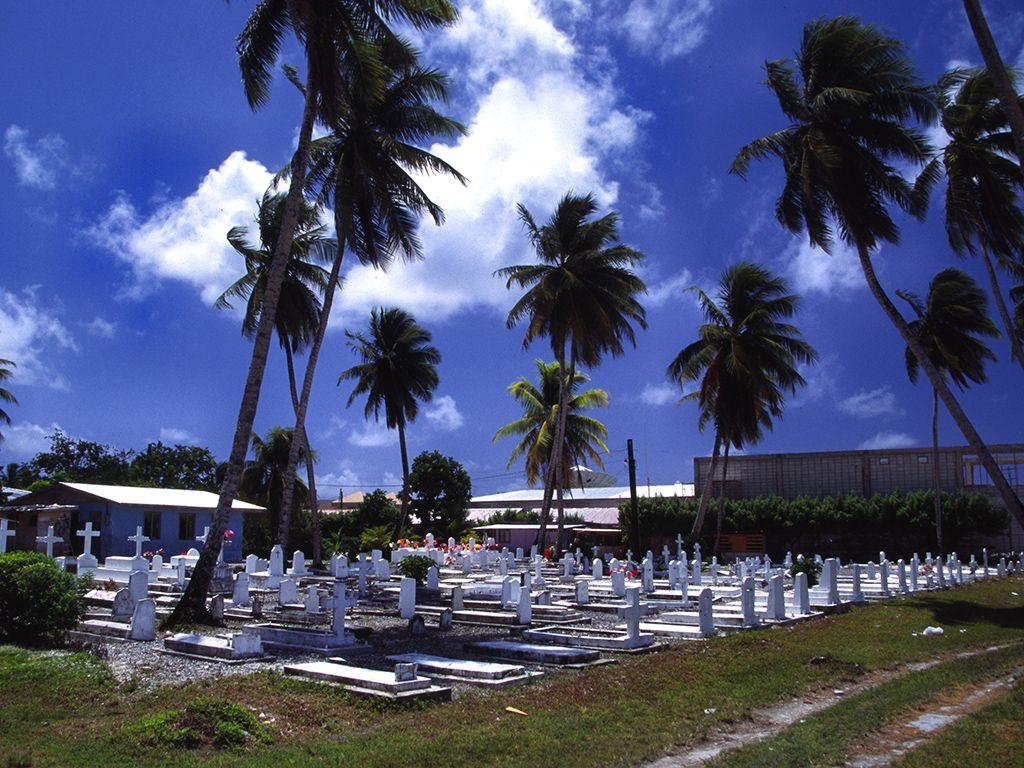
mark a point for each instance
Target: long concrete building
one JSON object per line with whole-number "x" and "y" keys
{"x": 864, "y": 473}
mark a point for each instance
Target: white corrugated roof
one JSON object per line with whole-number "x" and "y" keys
{"x": 156, "y": 497}
{"x": 615, "y": 492}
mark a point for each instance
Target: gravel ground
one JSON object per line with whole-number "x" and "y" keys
{"x": 144, "y": 665}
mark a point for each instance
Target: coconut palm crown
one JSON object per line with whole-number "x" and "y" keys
{"x": 398, "y": 370}
{"x": 584, "y": 435}
{"x": 745, "y": 359}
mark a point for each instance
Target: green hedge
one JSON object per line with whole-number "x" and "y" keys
{"x": 38, "y": 601}
{"x": 852, "y": 526}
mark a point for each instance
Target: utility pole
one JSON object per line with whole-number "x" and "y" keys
{"x": 634, "y": 510}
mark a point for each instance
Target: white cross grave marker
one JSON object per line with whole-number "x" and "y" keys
{"x": 5, "y": 533}
{"x": 88, "y": 534}
{"x": 49, "y": 539}
{"x": 138, "y": 538}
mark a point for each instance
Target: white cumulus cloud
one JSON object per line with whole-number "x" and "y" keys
{"x": 36, "y": 163}
{"x": 664, "y": 29}
{"x": 373, "y": 434}
{"x": 24, "y": 440}
{"x": 677, "y": 287}
{"x": 870, "y": 404}
{"x": 177, "y": 436}
{"x": 186, "y": 239}
{"x": 102, "y": 328}
{"x": 30, "y": 334}
{"x": 812, "y": 270}
{"x": 540, "y": 124}
{"x": 444, "y": 414}
{"x": 888, "y": 440}
{"x": 659, "y": 394}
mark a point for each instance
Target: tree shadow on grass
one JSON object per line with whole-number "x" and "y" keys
{"x": 955, "y": 610}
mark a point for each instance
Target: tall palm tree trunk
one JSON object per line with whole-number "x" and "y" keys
{"x": 721, "y": 499}
{"x": 192, "y": 605}
{"x": 936, "y": 475}
{"x": 558, "y": 449}
{"x": 994, "y": 63}
{"x": 303, "y": 404}
{"x": 1016, "y": 353}
{"x": 1010, "y": 500}
{"x": 561, "y": 517}
{"x": 545, "y": 507}
{"x": 300, "y": 440}
{"x": 705, "y": 493}
{"x": 403, "y": 516}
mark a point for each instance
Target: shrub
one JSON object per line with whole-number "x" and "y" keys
{"x": 806, "y": 565}
{"x": 416, "y": 567}
{"x": 203, "y": 722}
{"x": 38, "y": 601}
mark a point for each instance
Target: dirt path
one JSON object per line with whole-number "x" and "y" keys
{"x": 893, "y": 742}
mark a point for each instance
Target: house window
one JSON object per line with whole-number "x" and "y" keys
{"x": 151, "y": 525}
{"x": 502, "y": 536}
{"x": 186, "y": 526}
{"x": 922, "y": 459}
{"x": 884, "y": 460}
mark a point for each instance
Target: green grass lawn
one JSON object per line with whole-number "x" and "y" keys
{"x": 67, "y": 710}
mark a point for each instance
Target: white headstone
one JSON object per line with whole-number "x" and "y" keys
{"x": 288, "y": 593}
{"x": 181, "y": 573}
{"x": 298, "y": 564}
{"x": 407, "y": 598}
{"x": 123, "y": 606}
{"x": 252, "y": 564}
{"x": 524, "y": 609}
{"x": 704, "y": 610}
{"x": 312, "y": 601}
{"x": 217, "y": 607}
{"x": 915, "y": 566}
{"x": 138, "y": 585}
{"x": 618, "y": 583}
{"x": 858, "y": 594}
{"x": 747, "y": 603}
{"x": 801, "y": 596}
{"x": 87, "y": 534}
{"x": 582, "y": 592}
{"x": 597, "y": 568}
{"x": 457, "y": 598}
{"x": 144, "y": 621}
{"x": 276, "y": 567}
{"x": 776, "y": 598}
{"x": 432, "y": 577}
{"x": 240, "y": 590}
{"x": 696, "y": 572}
{"x": 883, "y": 569}
{"x": 901, "y": 575}
{"x": 632, "y": 613}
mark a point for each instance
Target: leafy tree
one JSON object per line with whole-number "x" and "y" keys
{"x": 950, "y": 325}
{"x": 398, "y": 369}
{"x": 582, "y": 296}
{"x": 584, "y": 435}
{"x": 299, "y": 309}
{"x": 746, "y": 359}
{"x": 335, "y": 38}
{"x": 5, "y": 394}
{"x": 983, "y": 215}
{"x": 177, "y": 466}
{"x": 847, "y": 123}
{"x": 440, "y": 491}
{"x": 38, "y": 601}
{"x": 80, "y": 461}
{"x": 365, "y": 169}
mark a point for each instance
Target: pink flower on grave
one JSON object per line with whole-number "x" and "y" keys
{"x": 229, "y": 535}
{"x": 147, "y": 553}
{"x": 160, "y": 551}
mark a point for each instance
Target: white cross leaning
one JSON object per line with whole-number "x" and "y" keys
{"x": 138, "y": 538}
{"x": 49, "y": 539}
{"x": 88, "y": 534}
{"x": 204, "y": 535}
{"x": 5, "y": 533}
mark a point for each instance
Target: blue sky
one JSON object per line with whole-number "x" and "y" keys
{"x": 129, "y": 151}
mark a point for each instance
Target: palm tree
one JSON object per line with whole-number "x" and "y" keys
{"x": 983, "y": 215}
{"x": 5, "y": 394}
{"x": 1009, "y": 102}
{"x": 334, "y": 39}
{"x": 582, "y": 297}
{"x": 847, "y": 121}
{"x": 948, "y": 327}
{"x": 299, "y": 307}
{"x": 398, "y": 370}
{"x": 363, "y": 169}
{"x": 263, "y": 479}
{"x": 584, "y": 435}
{"x": 745, "y": 358}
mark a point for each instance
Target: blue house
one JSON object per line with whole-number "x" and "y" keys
{"x": 171, "y": 518}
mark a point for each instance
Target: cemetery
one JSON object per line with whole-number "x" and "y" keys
{"x": 482, "y": 618}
